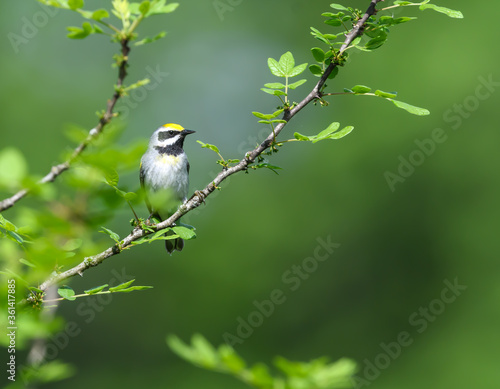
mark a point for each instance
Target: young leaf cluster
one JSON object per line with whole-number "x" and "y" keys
{"x": 183, "y": 231}
{"x": 316, "y": 374}
{"x": 129, "y": 15}
{"x": 331, "y": 132}
{"x": 10, "y": 231}
{"x": 68, "y": 293}
{"x": 423, "y": 5}
{"x": 362, "y": 90}
{"x": 284, "y": 68}
{"x": 223, "y": 162}
{"x": 376, "y": 30}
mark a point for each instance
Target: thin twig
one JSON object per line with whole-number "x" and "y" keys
{"x": 57, "y": 170}
{"x": 198, "y": 198}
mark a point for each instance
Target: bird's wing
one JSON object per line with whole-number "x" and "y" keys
{"x": 141, "y": 179}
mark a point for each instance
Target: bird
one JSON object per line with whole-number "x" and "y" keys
{"x": 164, "y": 175}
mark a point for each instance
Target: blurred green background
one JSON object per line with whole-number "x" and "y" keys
{"x": 398, "y": 249}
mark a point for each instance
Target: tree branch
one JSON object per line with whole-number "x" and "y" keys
{"x": 57, "y": 170}
{"x": 199, "y": 196}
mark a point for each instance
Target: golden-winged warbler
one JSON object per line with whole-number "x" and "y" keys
{"x": 164, "y": 175}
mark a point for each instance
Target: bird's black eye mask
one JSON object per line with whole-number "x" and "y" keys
{"x": 166, "y": 135}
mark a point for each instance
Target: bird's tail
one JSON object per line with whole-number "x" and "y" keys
{"x": 173, "y": 244}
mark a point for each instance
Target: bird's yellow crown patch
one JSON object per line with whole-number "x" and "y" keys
{"x": 173, "y": 126}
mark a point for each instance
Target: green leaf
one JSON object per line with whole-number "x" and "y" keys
{"x": 208, "y": 146}
{"x": 130, "y": 196}
{"x": 318, "y": 54}
{"x": 206, "y": 352}
{"x": 184, "y": 232}
{"x": 277, "y": 113}
{"x": 333, "y": 22}
{"x": 268, "y": 116}
{"x": 450, "y": 12}
{"x": 299, "y": 136}
{"x": 111, "y": 177}
{"x": 55, "y": 3}
{"x": 123, "y": 285}
{"x": 275, "y": 68}
{"x": 268, "y": 91}
{"x": 158, "y": 7}
{"x": 331, "y": 128}
{"x": 336, "y": 135}
{"x": 361, "y": 89}
{"x": 316, "y": 69}
{"x": 355, "y": 41}
{"x": 334, "y": 72}
{"x": 275, "y": 85}
{"x": 75, "y": 4}
{"x": 161, "y": 235}
{"x": 13, "y": 167}
{"x": 411, "y": 108}
{"x": 385, "y": 94}
{"x": 231, "y": 359}
{"x": 112, "y": 234}
{"x": 162, "y": 34}
{"x": 261, "y": 378}
{"x": 287, "y": 63}
{"x": 390, "y": 21}
{"x": 144, "y": 7}
{"x": 132, "y": 288}
{"x": 35, "y": 289}
{"x": 7, "y": 224}
{"x": 267, "y": 166}
{"x": 100, "y": 14}
{"x": 95, "y": 290}
{"x": 318, "y": 35}
{"x": 48, "y": 371}
{"x": 376, "y": 42}
{"x": 339, "y": 7}
{"x": 12, "y": 235}
{"x": 296, "y": 84}
{"x": 72, "y": 244}
{"x": 261, "y": 115}
{"x": 26, "y": 262}
{"x": 273, "y": 92}
{"x": 328, "y": 133}
{"x": 97, "y": 29}
{"x": 181, "y": 349}
{"x": 80, "y": 33}
{"x": 85, "y": 14}
{"x": 66, "y": 292}
{"x": 297, "y": 70}
{"x": 271, "y": 121}
{"x": 137, "y": 84}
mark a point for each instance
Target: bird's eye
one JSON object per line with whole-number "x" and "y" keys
{"x": 164, "y": 135}
{"x": 171, "y": 132}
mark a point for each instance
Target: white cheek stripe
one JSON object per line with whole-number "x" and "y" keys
{"x": 168, "y": 142}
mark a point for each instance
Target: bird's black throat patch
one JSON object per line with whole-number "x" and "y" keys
{"x": 173, "y": 150}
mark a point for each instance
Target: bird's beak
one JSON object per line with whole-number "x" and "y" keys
{"x": 187, "y": 132}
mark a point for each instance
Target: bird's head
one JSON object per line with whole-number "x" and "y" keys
{"x": 168, "y": 135}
